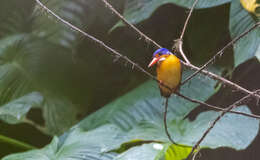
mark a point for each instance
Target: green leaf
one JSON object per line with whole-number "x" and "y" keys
{"x": 156, "y": 151}
{"x": 59, "y": 113}
{"x": 251, "y": 6}
{"x": 230, "y": 131}
{"x": 14, "y": 80}
{"x": 8, "y": 42}
{"x": 240, "y": 21}
{"x": 225, "y": 133}
{"x": 172, "y": 151}
{"x": 140, "y": 10}
{"x": 144, "y": 152}
{"x": 23, "y": 71}
{"x": 15, "y": 111}
{"x": 77, "y": 145}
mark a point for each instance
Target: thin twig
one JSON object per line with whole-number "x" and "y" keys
{"x": 129, "y": 24}
{"x": 196, "y": 153}
{"x": 214, "y": 123}
{"x": 219, "y": 53}
{"x": 215, "y": 107}
{"x": 178, "y": 44}
{"x": 187, "y": 19}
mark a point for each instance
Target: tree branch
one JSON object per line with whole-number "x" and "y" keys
{"x": 215, "y": 107}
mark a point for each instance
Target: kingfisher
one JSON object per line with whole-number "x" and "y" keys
{"x": 168, "y": 70}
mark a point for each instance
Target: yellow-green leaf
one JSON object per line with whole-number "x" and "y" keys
{"x": 177, "y": 152}
{"x": 250, "y": 6}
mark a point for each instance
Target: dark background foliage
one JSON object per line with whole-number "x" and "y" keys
{"x": 73, "y": 68}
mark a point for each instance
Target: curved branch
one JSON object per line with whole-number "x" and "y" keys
{"x": 215, "y": 107}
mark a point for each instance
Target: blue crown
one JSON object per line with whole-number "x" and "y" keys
{"x": 162, "y": 51}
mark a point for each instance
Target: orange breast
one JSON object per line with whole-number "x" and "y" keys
{"x": 169, "y": 73}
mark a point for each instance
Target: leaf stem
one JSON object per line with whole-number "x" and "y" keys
{"x": 16, "y": 143}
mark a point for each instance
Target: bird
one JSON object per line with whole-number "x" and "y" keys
{"x": 169, "y": 71}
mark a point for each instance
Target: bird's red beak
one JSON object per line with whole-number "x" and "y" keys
{"x": 155, "y": 60}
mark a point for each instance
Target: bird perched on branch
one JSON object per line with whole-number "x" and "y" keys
{"x": 169, "y": 76}
{"x": 168, "y": 71}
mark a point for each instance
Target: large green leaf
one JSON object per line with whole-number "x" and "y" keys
{"x": 229, "y": 132}
{"x": 240, "y": 21}
{"x": 59, "y": 113}
{"x": 225, "y": 133}
{"x": 77, "y": 145}
{"x": 95, "y": 144}
{"x": 140, "y": 10}
{"x": 22, "y": 71}
{"x": 14, "y": 82}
